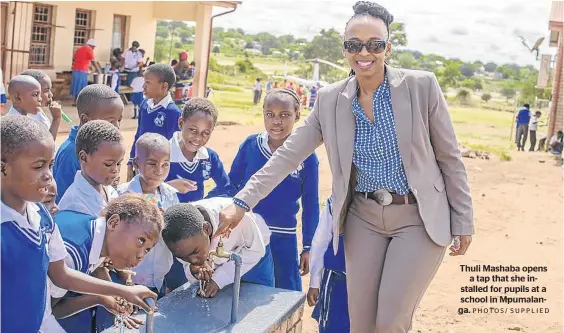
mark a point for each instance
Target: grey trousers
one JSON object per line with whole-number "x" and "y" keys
{"x": 521, "y": 138}
{"x": 390, "y": 261}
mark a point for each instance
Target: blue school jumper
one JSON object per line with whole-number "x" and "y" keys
{"x": 279, "y": 209}
{"x": 116, "y": 75}
{"x": 157, "y": 119}
{"x": 332, "y": 310}
{"x": 66, "y": 164}
{"x": 25, "y": 262}
{"x": 77, "y": 231}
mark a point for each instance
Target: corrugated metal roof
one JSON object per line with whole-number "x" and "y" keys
{"x": 556, "y": 14}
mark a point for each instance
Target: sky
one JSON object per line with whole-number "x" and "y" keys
{"x": 483, "y": 30}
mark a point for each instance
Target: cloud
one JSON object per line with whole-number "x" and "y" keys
{"x": 459, "y": 31}
{"x": 494, "y": 47}
{"x": 432, "y": 39}
{"x": 494, "y": 22}
{"x": 514, "y": 8}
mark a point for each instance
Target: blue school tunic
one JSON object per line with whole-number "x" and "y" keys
{"x": 66, "y": 164}
{"x": 77, "y": 230}
{"x": 279, "y": 209}
{"x": 25, "y": 263}
{"x": 205, "y": 165}
{"x": 331, "y": 310}
{"x": 161, "y": 119}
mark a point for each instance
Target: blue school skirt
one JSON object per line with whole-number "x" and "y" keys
{"x": 79, "y": 81}
{"x": 284, "y": 248}
{"x": 137, "y": 98}
{"x": 2, "y": 98}
{"x": 332, "y": 310}
{"x": 263, "y": 272}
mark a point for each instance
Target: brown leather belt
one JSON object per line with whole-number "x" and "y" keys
{"x": 385, "y": 198}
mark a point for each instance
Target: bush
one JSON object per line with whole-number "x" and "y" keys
{"x": 486, "y": 97}
{"x": 245, "y": 66}
{"x": 463, "y": 95}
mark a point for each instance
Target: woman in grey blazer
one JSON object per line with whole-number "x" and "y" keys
{"x": 399, "y": 184}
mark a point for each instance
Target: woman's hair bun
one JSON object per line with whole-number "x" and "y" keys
{"x": 373, "y": 9}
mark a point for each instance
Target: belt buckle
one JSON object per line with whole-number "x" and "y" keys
{"x": 383, "y": 197}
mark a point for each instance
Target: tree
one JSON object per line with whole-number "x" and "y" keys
{"x": 406, "y": 60}
{"x": 467, "y": 70}
{"x": 215, "y": 50}
{"x": 326, "y": 46}
{"x": 478, "y": 85}
{"x": 449, "y": 75}
{"x": 463, "y": 95}
{"x": 468, "y": 84}
{"x": 398, "y": 37}
{"x": 490, "y": 67}
{"x": 162, "y": 32}
{"x": 486, "y": 97}
{"x": 508, "y": 92}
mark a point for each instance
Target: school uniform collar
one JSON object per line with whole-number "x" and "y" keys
{"x": 98, "y": 235}
{"x": 73, "y": 133}
{"x": 88, "y": 191}
{"x": 14, "y": 112}
{"x": 162, "y": 104}
{"x": 31, "y": 221}
{"x": 176, "y": 155}
{"x": 134, "y": 186}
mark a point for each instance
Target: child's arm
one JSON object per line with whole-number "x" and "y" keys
{"x": 319, "y": 244}
{"x": 223, "y": 186}
{"x": 247, "y": 238}
{"x": 69, "y": 279}
{"x": 66, "y": 307}
{"x": 310, "y": 200}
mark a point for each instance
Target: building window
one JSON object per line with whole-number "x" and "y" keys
{"x": 40, "y": 51}
{"x": 82, "y": 27}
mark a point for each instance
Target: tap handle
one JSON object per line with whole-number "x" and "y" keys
{"x": 150, "y": 302}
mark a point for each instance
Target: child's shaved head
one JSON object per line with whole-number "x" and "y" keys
{"x": 149, "y": 142}
{"x": 182, "y": 221}
{"x": 99, "y": 101}
{"x": 93, "y": 133}
{"x": 17, "y": 132}
{"x": 20, "y": 83}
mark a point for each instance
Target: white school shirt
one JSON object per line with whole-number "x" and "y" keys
{"x": 40, "y": 116}
{"x": 319, "y": 244}
{"x": 115, "y": 77}
{"x": 131, "y": 60}
{"x": 2, "y": 89}
{"x": 137, "y": 84}
{"x": 55, "y": 250}
{"x": 246, "y": 239}
{"x": 83, "y": 198}
{"x": 533, "y": 123}
{"x": 94, "y": 259}
{"x": 152, "y": 270}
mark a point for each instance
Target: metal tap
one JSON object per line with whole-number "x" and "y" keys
{"x": 219, "y": 252}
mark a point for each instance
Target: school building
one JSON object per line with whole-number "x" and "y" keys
{"x": 44, "y": 35}
{"x": 556, "y": 118}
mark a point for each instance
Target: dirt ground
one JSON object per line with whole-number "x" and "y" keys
{"x": 518, "y": 210}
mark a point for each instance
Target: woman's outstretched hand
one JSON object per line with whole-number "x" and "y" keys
{"x": 229, "y": 218}
{"x": 459, "y": 247}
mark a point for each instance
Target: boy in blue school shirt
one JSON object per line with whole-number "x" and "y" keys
{"x": 192, "y": 163}
{"x": 281, "y": 111}
{"x": 31, "y": 242}
{"x": 95, "y": 102}
{"x": 158, "y": 112}
{"x": 328, "y": 280}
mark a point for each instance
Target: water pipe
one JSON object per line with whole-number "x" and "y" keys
{"x": 150, "y": 317}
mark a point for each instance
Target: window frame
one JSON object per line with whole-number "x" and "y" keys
{"x": 49, "y": 41}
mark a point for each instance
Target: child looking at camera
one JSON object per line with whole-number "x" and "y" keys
{"x": 31, "y": 242}
{"x": 158, "y": 113}
{"x": 281, "y": 110}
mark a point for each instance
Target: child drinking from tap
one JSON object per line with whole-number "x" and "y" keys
{"x": 127, "y": 229}
{"x": 152, "y": 161}
{"x": 328, "y": 280}
{"x": 31, "y": 242}
{"x": 100, "y": 150}
{"x": 188, "y": 234}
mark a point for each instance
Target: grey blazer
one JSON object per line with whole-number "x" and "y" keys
{"x": 427, "y": 144}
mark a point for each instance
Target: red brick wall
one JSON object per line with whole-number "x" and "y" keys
{"x": 556, "y": 121}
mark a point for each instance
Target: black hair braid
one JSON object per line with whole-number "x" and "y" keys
{"x": 282, "y": 91}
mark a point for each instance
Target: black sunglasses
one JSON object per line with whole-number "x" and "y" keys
{"x": 372, "y": 46}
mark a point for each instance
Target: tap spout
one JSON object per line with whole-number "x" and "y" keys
{"x": 236, "y": 287}
{"x": 150, "y": 317}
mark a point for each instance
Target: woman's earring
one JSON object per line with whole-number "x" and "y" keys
{"x": 3, "y": 170}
